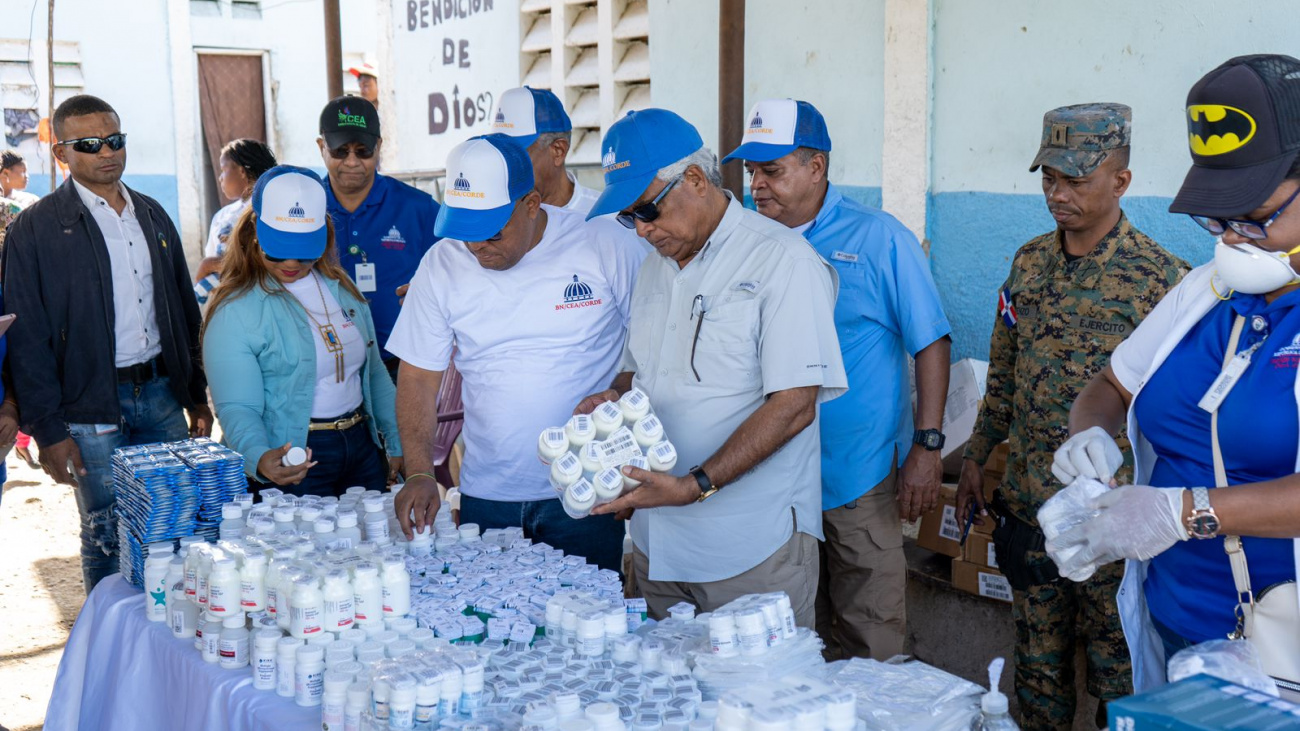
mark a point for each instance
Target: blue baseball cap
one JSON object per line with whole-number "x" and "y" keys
{"x": 290, "y": 205}
{"x": 778, "y": 127}
{"x": 486, "y": 176}
{"x": 524, "y": 113}
{"x": 636, "y": 147}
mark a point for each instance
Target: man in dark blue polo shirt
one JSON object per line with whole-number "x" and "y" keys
{"x": 383, "y": 226}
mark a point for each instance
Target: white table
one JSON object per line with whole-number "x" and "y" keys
{"x": 121, "y": 671}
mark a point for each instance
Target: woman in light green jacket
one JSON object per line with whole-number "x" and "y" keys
{"x": 290, "y": 353}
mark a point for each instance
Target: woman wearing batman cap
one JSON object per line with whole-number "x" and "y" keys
{"x": 1209, "y": 383}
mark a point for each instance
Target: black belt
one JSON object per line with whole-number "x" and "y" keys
{"x": 142, "y": 372}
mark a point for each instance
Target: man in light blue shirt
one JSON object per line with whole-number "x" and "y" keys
{"x": 887, "y": 309}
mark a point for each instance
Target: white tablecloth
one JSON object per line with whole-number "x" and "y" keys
{"x": 121, "y": 671}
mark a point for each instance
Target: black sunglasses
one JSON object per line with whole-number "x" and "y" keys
{"x": 361, "y": 151}
{"x": 646, "y": 212}
{"x": 1245, "y": 227}
{"x": 91, "y": 145}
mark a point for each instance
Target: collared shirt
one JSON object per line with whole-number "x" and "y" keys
{"x": 392, "y": 229}
{"x": 1065, "y": 319}
{"x": 223, "y": 222}
{"x": 1189, "y": 587}
{"x": 530, "y": 342}
{"x": 767, "y": 306}
{"x": 583, "y": 198}
{"x": 135, "y": 323}
{"x": 888, "y": 308}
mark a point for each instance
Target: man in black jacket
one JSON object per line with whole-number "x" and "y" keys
{"x": 105, "y": 350}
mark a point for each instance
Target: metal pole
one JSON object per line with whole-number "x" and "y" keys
{"x": 333, "y": 50}
{"x": 731, "y": 89}
{"x": 49, "y": 59}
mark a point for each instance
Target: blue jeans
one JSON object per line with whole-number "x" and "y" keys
{"x": 344, "y": 458}
{"x": 150, "y": 414}
{"x": 597, "y": 538}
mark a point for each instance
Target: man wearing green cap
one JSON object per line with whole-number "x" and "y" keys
{"x": 1072, "y": 295}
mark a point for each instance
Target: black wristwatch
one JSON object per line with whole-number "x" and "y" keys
{"x": 706, "y": 485}
{"x": 929, "y": 439}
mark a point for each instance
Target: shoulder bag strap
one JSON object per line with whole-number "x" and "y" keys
{"x": 1232, "y": 544}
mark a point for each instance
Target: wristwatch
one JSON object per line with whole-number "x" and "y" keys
{"x": 1202, "y": 523}
{"x": 706, "y": 485}
{"x": 930, "y": 439}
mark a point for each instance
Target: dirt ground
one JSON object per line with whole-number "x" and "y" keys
{"x": 40, "y": 591}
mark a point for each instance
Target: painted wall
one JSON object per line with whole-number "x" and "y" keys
{"x": 1000, "y": 64}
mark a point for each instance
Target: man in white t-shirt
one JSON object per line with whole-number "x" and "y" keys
{"x": 534, "y": 301}
{"x": 535, "y": 119}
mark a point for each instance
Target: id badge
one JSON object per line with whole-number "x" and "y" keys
{"x": 1222, "y": 385}
{"x": 365, "y": 276}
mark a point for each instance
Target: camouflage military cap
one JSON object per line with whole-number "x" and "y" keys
{"x": 1077, "y": 138}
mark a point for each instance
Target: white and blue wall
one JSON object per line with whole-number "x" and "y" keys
{"x": 994, "y": 68}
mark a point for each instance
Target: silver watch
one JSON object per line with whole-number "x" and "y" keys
{"x": 1202, "y": 523}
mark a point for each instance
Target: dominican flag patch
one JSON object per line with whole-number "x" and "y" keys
{"x": 1006, "y": 308}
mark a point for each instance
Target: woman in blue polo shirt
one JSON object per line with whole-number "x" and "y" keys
{"x": 1218, "y": 359}
{"x": 290, "y": 351}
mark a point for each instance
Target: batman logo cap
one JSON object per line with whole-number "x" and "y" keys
{"x": 1243, "y": 131}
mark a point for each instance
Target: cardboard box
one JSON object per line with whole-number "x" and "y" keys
{"x": 979, "y": 549}
{"x": 1202, "y": 703}
{"x": 995, "y": 467}
{"x": 966, "y": 383}
{"x": 980, "y": 580}
{"x": 940, "y": 531}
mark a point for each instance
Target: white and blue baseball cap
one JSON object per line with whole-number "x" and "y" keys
{"x": 290, "y": 205}
{"x": 524, "y": 113}
{"x": 778, "y": 127}
{"x": 636, "y": 147}
{"x": 486, "y": 177}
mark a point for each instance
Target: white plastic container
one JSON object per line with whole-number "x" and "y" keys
{"x": 579, "y": 498}
{"x": 551, "y": 444}
{"x": 309, "y": 676}
{"x": 156, "y": 567}
{"x": 286, "y": 657}
{"x": 751, "y": 631}
{"x": 421, "y": 543}
{"x": 192, "y": 571}
{"x": 640, "y": 463}
{"x": 233, "y": 646}
{"x": 294, "y": 457}
{"x": 590, "y": 458}
{"x": 376, "y": 521}
{"x": 590, "y": 640}
{"x": 606, "y": 418}
{"x": 608, "y": 484}
{"x": 473, "y": 675}
{"x": 426, "y": 703}
{"x": 565, "y": 471}
{"x": 183, "y": 614}
{"x": 211, "y": 638}
{"x": 265, "y": 642}
{"x": 334, "y": 698}
{"x": 579, "y": 430}
{"x": 339, "y": 600}
{"x": 323, "y": 530}
{"x": 357, "y": 700}
{"x": 283, "y": 517}
{"x": 648, "y": 431}
{"x": 346, "y": 532}
{"x": 635, "y": 404}
{"x": 723, "y": 641}
{"x": 232, "y": 522}
{"x": 401, "y": 705}
{"x": 284, "y": 596}
{"x": 368, "y": 595}
{"x": 307, "y": 612}
{"x": 252, "y": 583}
{"x": 223, "y": 588}
{"x": 396, "y": 588}
{"x": 662, "y": 457}
{"x": 207, "y": 557}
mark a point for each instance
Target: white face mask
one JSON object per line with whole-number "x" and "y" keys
{"x": 1248, "y": 269}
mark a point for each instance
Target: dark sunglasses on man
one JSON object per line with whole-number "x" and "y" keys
{"x": 646, "y": 212}
{"x": 361, "y": 151}
{"x": 92, "y": 145}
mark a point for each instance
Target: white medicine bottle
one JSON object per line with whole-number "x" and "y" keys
{"x": 223, "y": 588}
{"x": 252, "y": 583}
{"x": 368, "y": 597}
{"x": 263, "y": 658}
{"x": 339, "y": 600}
{"x": 323, "y": 533}
{"x": 396, "y": 590}
{"x": 233, "y": 646}
{"x": 211, "y": 638}
{"x": 306, "y": 614}
{"x": 183, "y": 613}
{"x": 346, "y": 532}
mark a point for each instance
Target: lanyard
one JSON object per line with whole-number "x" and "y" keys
{"x": 1233, "y": 368}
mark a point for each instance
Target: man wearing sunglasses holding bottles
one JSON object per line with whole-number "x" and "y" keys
{"x": 107, "y": 323}
{"x": 888, "y": 309}
{"x": 383, "y": 226}
{"x": 732, "y": 336}
{"x": 535, "y": 302}
{"x": 1072, "y": 296}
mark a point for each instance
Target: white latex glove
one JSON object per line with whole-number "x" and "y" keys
{"x": 1070, "y": 506}
{"x": 1091, "y": 453}
{"x": 1134, "y": 521}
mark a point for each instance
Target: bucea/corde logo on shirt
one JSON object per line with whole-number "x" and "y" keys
{"x": 393, "y": 239}
{"x": 578, "y": 294}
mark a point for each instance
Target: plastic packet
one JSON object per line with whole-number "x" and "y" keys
{"x": 1069, "y": 507}
{"x": 1236, "y": 661}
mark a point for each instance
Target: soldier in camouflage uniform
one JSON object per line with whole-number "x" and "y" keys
{"x": 1072, "y": 296}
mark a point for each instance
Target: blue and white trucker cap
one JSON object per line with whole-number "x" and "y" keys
{"x": 290, "y": 206}
{"x": 486, "y": 176}
{"x": 636, "y": 147}
{"x": 778, "y": 127}
{"x": 524, "y": 113}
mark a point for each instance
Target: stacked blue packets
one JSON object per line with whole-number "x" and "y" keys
{"x": 169, "y": 490}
